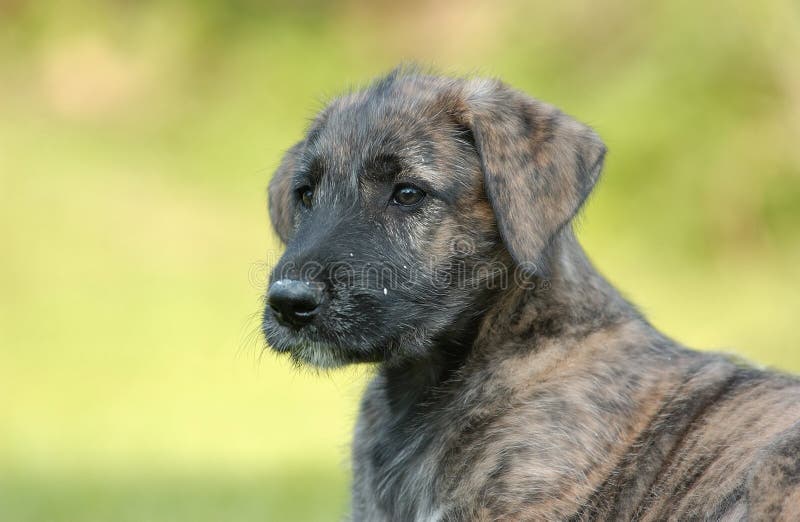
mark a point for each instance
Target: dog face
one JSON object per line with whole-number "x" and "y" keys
{"x": 404, "y": 209}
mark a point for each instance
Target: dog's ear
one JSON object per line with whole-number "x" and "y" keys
{"x": 281, "y": 204}
{"x": 539, "y": 165}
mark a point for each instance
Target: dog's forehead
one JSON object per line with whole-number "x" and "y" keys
{"x": 375, "y": 121}
{"x": 401, "y": 119}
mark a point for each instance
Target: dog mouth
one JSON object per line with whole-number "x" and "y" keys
{"x": 283, "y": 338}
{"x": 305, "y": 346}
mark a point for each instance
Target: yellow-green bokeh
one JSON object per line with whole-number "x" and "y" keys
{"x": 136, "y": 141}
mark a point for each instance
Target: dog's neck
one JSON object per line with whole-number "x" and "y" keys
{"x": 568, "y": 297}
{"x": 567, "y": 290}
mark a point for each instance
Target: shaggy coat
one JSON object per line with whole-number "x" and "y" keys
{"x": 513, "y": 381}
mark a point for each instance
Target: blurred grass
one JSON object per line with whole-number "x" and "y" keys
{"x": 195, "y": 497}
{"x": 136, "y": 140}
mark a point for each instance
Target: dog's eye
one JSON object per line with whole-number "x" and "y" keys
{"x": 407, "y": 195}
{"x": 306, "y": 196}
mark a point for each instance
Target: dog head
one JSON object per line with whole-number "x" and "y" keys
{"x": 407, "y": 205}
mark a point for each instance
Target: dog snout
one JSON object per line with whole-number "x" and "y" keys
{"x": 294, "y": 302}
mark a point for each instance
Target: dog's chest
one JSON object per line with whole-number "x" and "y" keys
{"x": 481, "y": 448}
{"x": 397, "y": 466}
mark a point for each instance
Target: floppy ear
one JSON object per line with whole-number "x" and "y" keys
{"x": 281, "y": 204}
{"x": 539, "y": 165}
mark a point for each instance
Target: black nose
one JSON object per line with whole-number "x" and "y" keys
{"x": 294, "y": 303}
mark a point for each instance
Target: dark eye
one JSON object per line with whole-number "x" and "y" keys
{"x": 306, "y": 196}
{"x": 407, "y": 195}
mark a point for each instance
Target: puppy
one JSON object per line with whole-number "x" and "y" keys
{"x": 427, "y": 229}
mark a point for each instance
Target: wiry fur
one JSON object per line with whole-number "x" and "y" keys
{"x": 547, "y": 398}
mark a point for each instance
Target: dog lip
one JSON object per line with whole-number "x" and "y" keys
{"x": 283, "y": 337}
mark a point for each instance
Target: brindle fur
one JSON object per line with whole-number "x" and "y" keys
{"x": 552, "y": 400}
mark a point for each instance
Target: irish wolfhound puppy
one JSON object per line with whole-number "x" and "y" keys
{"x": 427, "y": 229}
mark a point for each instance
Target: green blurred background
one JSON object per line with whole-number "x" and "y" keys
{"x": 136, "y": 142}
